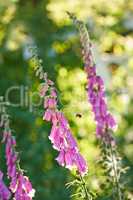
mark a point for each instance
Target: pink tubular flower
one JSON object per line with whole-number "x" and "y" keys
{"x": 23, "y": 188}
{"x": 48, "y": 115}
{"x": 4, "y": 192}
{"x": 43, "y": 90}
{"x": 61, "y": 136}
{"x": 61, "y": 158}
{"x": 71, "y": 158}
{"x": 11, "y": 156}
{"x": 50, "y": 103}
{"x": 81, "y": 163}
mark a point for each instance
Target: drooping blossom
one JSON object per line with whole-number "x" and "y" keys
{"x": 60, "y": 135}
{"x": 105, "y": 122}
{"x": 4, "y": 191}
{"x": 22, "y": 188}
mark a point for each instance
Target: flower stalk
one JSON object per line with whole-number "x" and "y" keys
{"x": 60, "y": 136}
{"x": 88, "y": 196}
{"x": 105, "y": 122}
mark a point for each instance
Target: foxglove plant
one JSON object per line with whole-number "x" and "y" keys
{"x": 105, "y": 122}
{"x": 20, "y": 186}
{"x": 60, "y": 136}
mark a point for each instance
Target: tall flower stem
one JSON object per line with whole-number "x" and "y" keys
{"x": 69, "y": 155}
{"x": 105, "y": 122}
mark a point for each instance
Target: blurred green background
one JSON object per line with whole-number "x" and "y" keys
{"x": 45, "y": 23}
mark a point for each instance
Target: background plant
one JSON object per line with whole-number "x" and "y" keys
{"x": 19, "y": 186}
{"x": 105, "y": 122}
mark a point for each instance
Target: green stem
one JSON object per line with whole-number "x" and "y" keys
{"x": 87, "y": 195}
{"x": 116, "y": 181}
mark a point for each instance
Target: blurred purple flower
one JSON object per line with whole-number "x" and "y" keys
{"x": 4, "y": 191}
{"x": 105, "y": 122}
